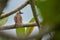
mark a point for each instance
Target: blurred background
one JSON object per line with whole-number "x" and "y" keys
{"x": 27, "y": 16}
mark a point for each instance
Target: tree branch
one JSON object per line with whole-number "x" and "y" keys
{"x": 12, "y": 37}
{"x": 34, "y": 13}
{"x": 13, "y": 26}
{"x": 17, "y": 9}
{"x": 5, "y": 35}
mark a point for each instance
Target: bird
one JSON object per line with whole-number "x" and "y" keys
{"x": 18, "y": 22}
{"x": 18, "y": 19}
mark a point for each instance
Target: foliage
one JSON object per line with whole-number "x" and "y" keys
{"x": 30, "y": 29}
{"x": 50, "y": 11}
{"x": 3, "y": 21}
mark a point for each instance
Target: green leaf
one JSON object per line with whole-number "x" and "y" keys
{"x": 30, "y": 29}
{"x": 3, "y": 21}
{"x": 49, "y": 9}
{"x": 20, "y": 32}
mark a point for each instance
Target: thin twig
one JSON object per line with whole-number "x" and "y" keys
{"x": 14, "y": 11}
{"x": 34, "y": 12}
{"x": 13, "y": 26}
